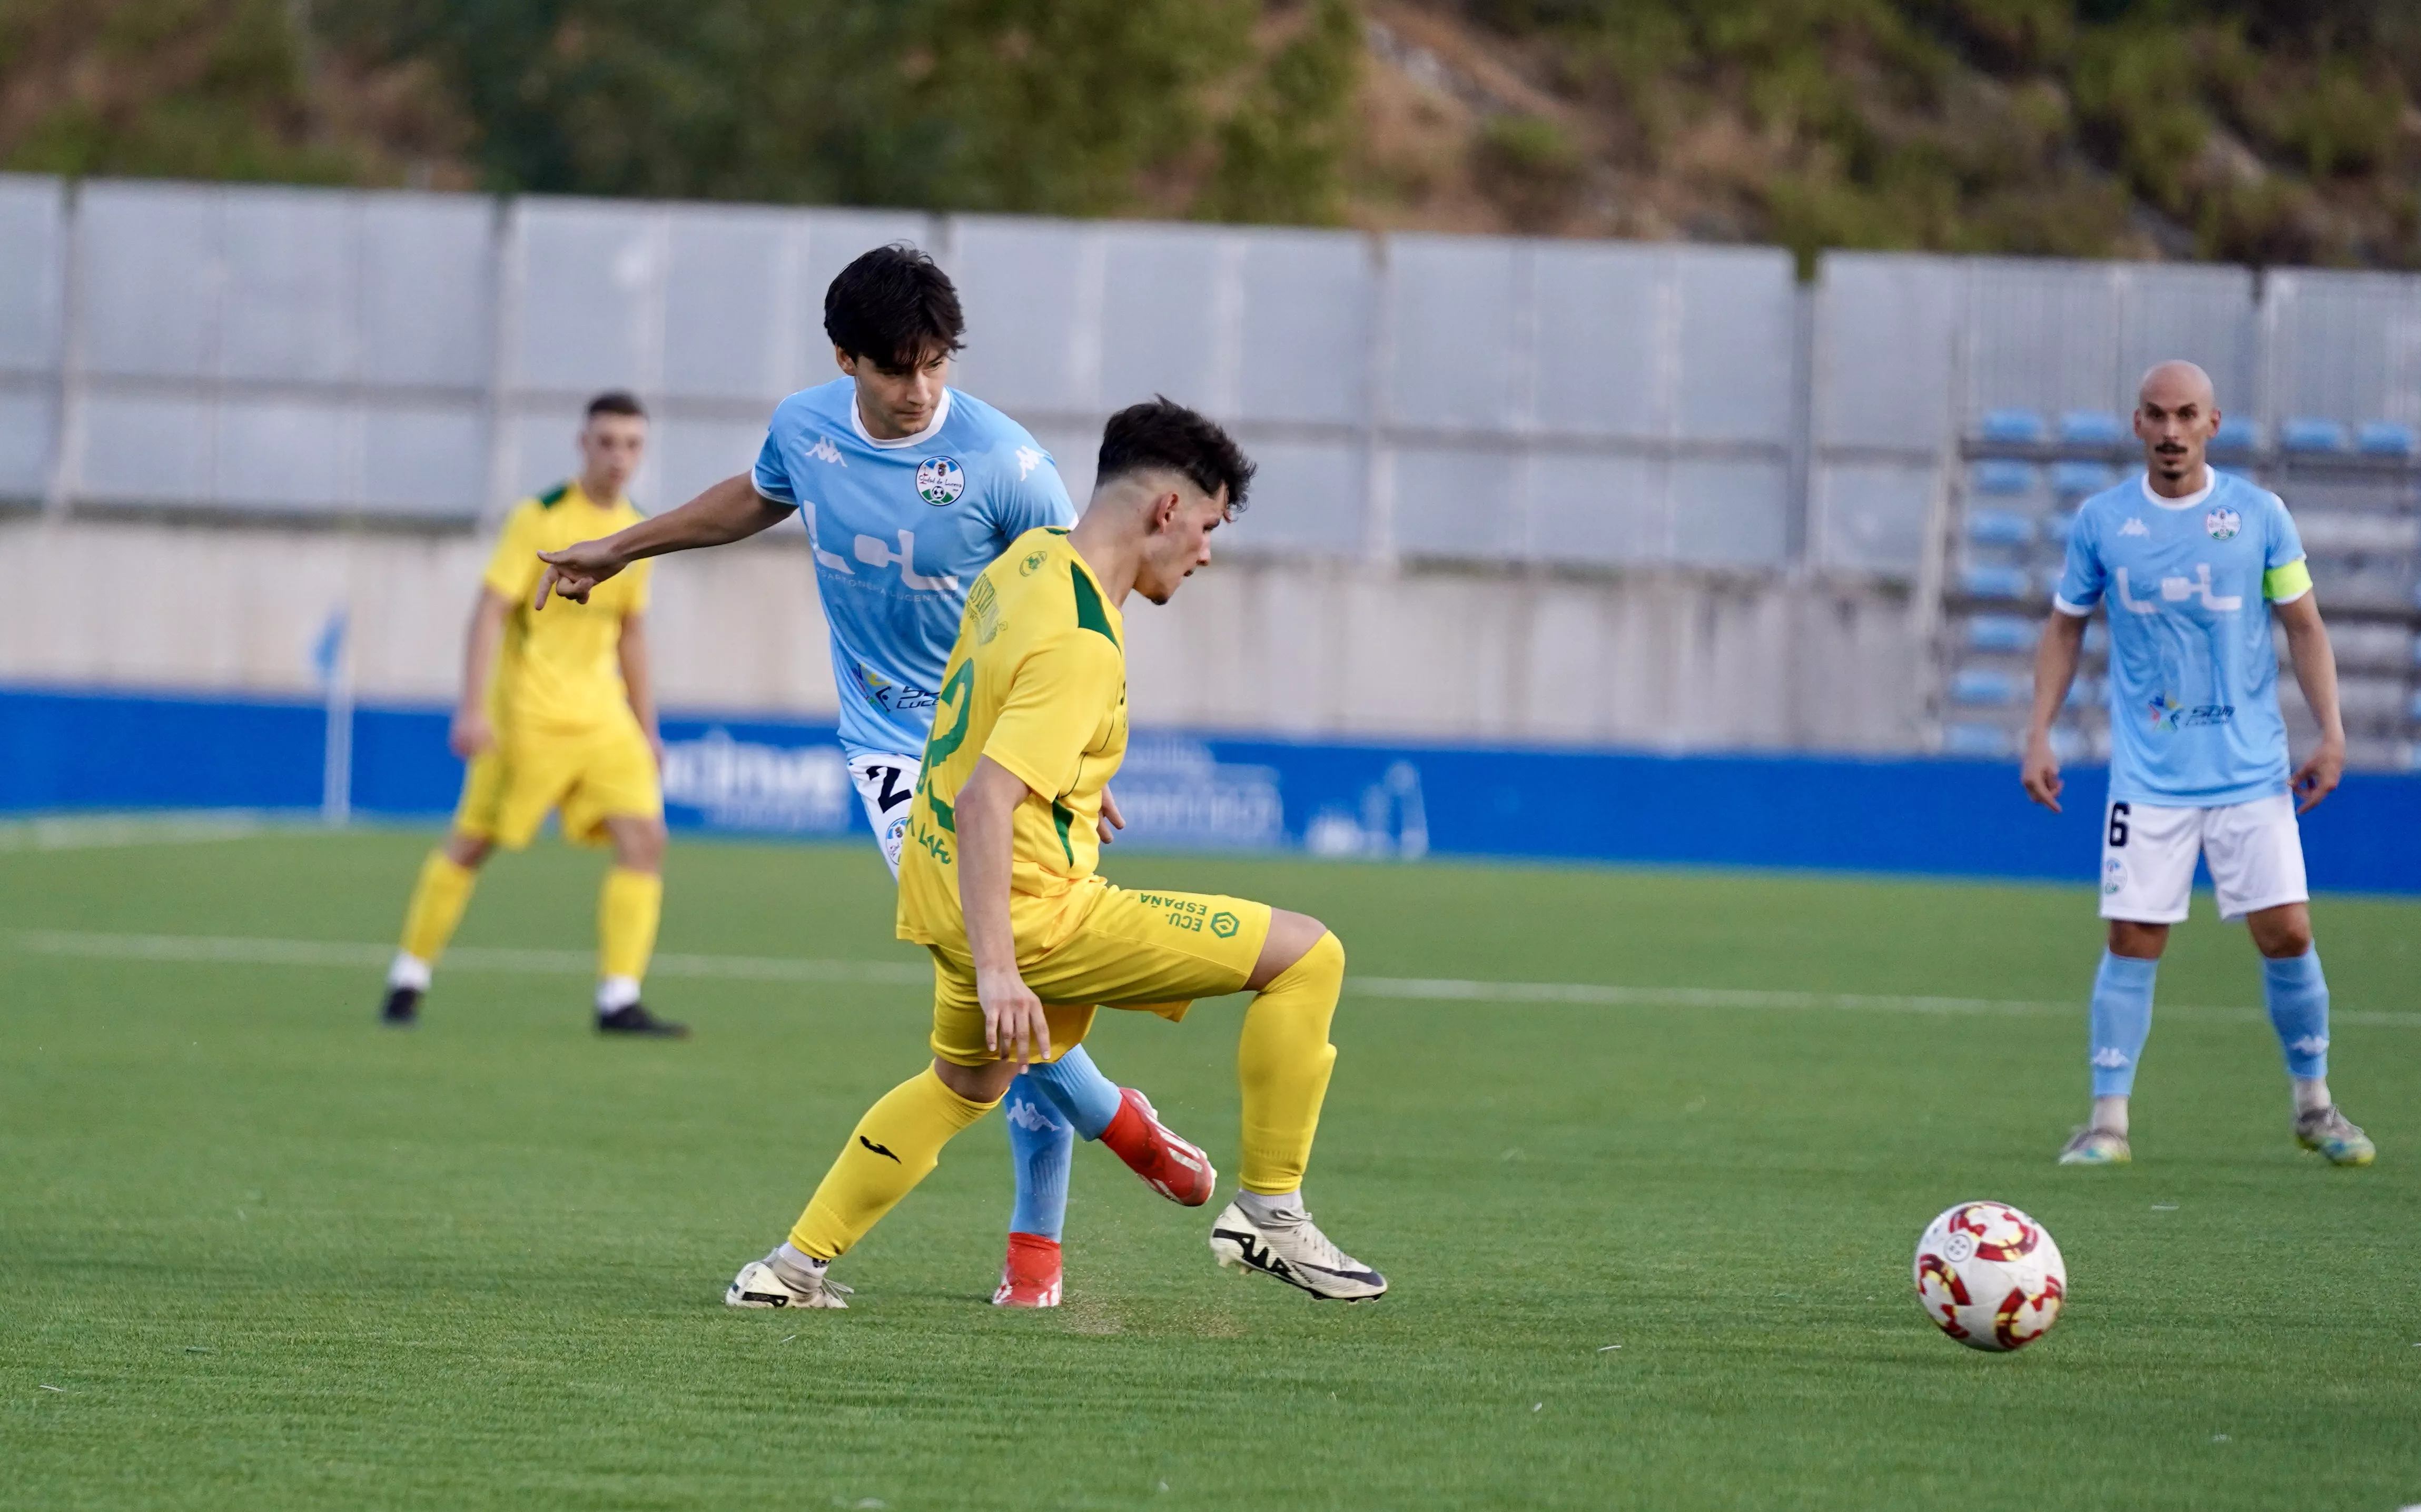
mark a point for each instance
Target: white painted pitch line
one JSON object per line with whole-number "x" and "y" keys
{"x": 101, "y": 832}
{"x": 246, "y": 951}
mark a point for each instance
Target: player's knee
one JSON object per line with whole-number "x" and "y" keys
{"x": 2282, "y": 934}
{"x": 468, "y": 850}
{"x": 638, "y": 844}
{"x": 2138, "y": 942}
{"x": 1294, "y": 939}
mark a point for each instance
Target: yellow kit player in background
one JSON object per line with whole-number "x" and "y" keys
{"x": 557, "y": 712}
{"x": 998, "y": 881}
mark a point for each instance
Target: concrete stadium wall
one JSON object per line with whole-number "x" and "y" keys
{"x": 1662, "y": 660}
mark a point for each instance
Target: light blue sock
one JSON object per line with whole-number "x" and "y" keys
{"x": 1040, "y": 1143}
{"x": 2122, "y": 1020}
{"x": 1085, "y": 1096}
{"x": 2299, "y": 1010}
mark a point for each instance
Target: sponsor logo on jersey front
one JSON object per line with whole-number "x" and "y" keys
{"x": 940, "y": 481}
{"x": 1033, "y": 563}
{"x": 2169, "y": 713}
{"x": 2223, "y": 523}
{"x": 895, "y": 698}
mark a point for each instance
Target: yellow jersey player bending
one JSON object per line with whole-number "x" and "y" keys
{"x": 998, "y": 881}
{"x": 557, "y": 712}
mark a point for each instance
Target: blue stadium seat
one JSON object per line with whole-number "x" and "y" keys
{"x": 2085, "y": 692}
{"x": 2383, "y": 438}
{"x": 2071, "y": 480}
{"x": 2236, "y": 434}
{"x": 2091, "y": 427}
{"x": 1976, "y": 686}
{"x": 2097, "y": 636}
{"x": 2416, "y": 650}
{"x": 1994, "y": 582}
{"x": 1999, "y": 527}
{"x": 2243, "y": 474}
{"x": 2057, "y": 526}
{"x": 2312, "y": 435}
{"x": 2022, "y": 427}
{"x": 2416, "y": 706}
{"x": 1976, "y": 739}
{"x": 2001, "y": 476}
{"x": 2000, "y": 633}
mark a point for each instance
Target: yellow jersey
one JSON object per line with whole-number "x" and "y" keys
{"x": 560, "y": 667}
{"x": 1037, "y": 682}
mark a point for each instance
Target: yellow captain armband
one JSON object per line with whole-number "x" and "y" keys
{"x": 2281, "y": 585}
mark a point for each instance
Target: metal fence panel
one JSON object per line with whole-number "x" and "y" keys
{"x": 292, "y": 455}
{"x": 1031, "y": 289}
{"x": 33, "y": 228}
{"x": 1457, "y": 502}
{"x": 1599, "y": 509}
{"x": 588, "y": 294}
{"x": 1874, "y": 514}
{"x": 1308, "y": 496}
{"x": 28, "y": 421}
{"x": 1457, "y": 322}
{"x": 2203, "y": 315}
{"x": 1730, "y": 512}
{"x": 147, "y": 298}
{"x": 1602, "y": 341}
{"x": 2348, "y": 347}
{"x": 1732, "y": 365}
{"x": 138, "y": 449}
{"x": 428, "y": 290}
{"x": 1305, "y": 341}
{"x": 2044, "y": 335}
{"x": 692, "y": 452}
{"x": 1886, "y": 334}
{"x": 729, "y": 327}
{"x": 288, "y": 294}
{"x": 1170, "y": 298}
{"x": 424, "y": 461}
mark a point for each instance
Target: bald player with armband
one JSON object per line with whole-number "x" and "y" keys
{"x": 2194, "y": 567}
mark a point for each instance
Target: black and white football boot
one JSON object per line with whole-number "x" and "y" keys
{"x": 1294, "y": 1251}
{"x": 635, "y": 1019}
{"x": 759, "y": 1285}
{"x": 401, "y": 1007}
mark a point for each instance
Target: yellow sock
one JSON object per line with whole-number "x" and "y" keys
{"x": 628, "y": 906}
{"x": 1283, "y": 1062}
{"x": 437, "y": 903}
{"x": 892, "y": 1148}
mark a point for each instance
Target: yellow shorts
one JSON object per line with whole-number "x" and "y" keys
{"x": 1156, "y": 952}
{"x": 589, "y": 775}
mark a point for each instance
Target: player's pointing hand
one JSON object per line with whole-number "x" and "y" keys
{"x": 574, "y": 571}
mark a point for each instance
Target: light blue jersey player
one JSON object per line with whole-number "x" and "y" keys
{"x": 909, "y": 488}
{"x": 2192, "y": 568}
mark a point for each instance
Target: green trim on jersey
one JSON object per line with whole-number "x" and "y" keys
{"x": 555, "y": 495}
{"x": 1063, "y": 818}
{"x": 1091, "y": 612}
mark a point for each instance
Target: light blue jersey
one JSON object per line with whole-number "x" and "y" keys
{"x": 2194, "y": 680}
{"x": 900, "y": 529}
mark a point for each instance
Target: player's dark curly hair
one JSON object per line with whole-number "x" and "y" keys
{"x": 1165, "y": 434}
{"x": 895, "y": 307}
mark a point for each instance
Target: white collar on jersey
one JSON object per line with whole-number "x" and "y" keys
{"x": 2211, "y": 481}
{"x": 932, "y": 428}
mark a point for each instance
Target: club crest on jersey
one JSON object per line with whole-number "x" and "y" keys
{"x": 940, "y": 481}
{"x": 2223, "y": 523}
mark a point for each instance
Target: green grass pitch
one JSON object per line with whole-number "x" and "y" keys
{"x": 271, "y": 1255}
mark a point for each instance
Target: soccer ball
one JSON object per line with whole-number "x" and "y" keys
{"x": 1989, "y": 1276}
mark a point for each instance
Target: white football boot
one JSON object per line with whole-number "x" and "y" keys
{"x": 1297, "y": 1253}
{"x": 759, "y": 1285}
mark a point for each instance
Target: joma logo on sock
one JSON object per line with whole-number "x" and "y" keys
{"x": 879, "y": 1150}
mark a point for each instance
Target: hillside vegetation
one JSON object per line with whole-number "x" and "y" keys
{"x": 2257, "y": 131}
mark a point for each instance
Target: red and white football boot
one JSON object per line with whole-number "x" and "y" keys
{"x": 1030, "y": 1276}
{"x": 1169, "y": 1163}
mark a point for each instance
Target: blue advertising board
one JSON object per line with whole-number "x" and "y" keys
{"x": 69, "y": 750}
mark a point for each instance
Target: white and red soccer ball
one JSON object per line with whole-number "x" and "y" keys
{"x": 1989, "y": 1276}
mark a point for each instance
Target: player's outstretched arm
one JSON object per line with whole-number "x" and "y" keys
{"x": 730, "y": 510}
{"x": 1015, "y": 1027}
{"x": 2056, "y": 658}
{"x": 2316, "y": 673}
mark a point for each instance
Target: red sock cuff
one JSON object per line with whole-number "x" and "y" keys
{"x": 1129, "y": 1135}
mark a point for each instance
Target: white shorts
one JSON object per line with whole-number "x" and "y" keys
{"x": 2147, "y": 859}
{"x": 885, "y": 784}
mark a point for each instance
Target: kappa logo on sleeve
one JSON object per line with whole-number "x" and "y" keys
{"x": 824, "y": 451}
{"x": 1027, "y": 460}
